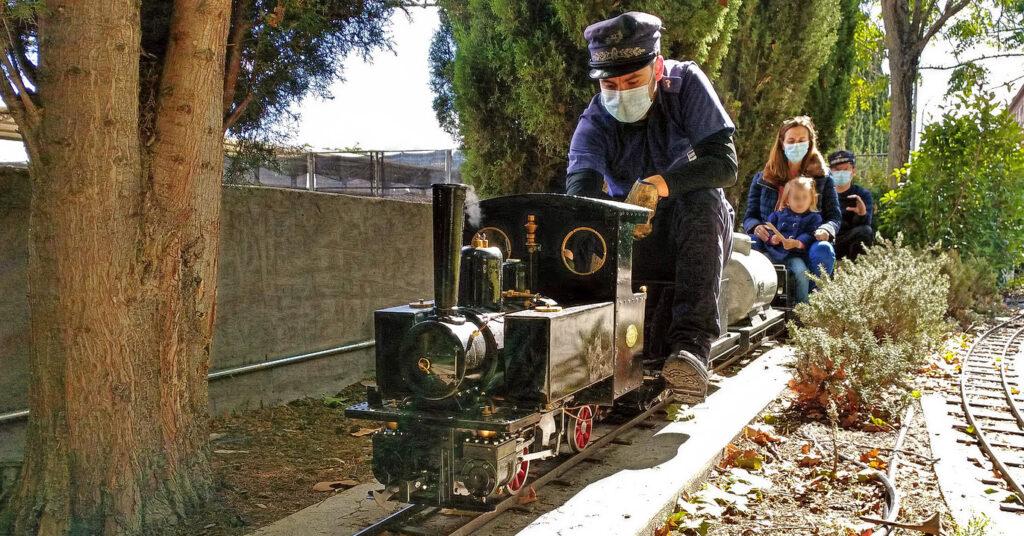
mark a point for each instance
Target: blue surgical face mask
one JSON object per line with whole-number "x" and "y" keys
{"x": 627, "y": 105}
{"x": 796, "y": 152}
{"x": 843, "y": 177}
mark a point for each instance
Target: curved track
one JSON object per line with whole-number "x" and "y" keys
{"x": 991, "y": 399}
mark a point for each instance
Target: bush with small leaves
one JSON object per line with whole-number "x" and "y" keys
{"x": 865, "y": 330}
{"x": 973, "y": 288}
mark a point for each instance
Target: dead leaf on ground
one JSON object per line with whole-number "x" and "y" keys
{"x": 809, "y": 460}
{"x": 761, "y": 435}
{"x": 363, "y": 432}
{"x": 869, "y": 455}
{"x": 226, "y": 451}
{"x": 737, "y": 457}
{"x": 332, "y": 485}
{"x": 527, "y": 496}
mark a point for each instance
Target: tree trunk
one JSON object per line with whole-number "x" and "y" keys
{"x": 903, "y": 71}
{"x": 900, "y": 41}
{"x": 122, "y": 272}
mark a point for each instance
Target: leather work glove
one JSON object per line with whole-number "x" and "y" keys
{"x": 646, "y": 196}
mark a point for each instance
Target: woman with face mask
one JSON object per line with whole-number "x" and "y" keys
{"x": 795, "y": 154}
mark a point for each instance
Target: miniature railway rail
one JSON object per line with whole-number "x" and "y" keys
{"x": 991, "y": 400}
{"x": 407, "y": 519}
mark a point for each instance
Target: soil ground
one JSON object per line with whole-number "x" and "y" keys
{"x": 799, "y": 489}
{"x": 266, "y": 461}
{"x": 809, "y": 493}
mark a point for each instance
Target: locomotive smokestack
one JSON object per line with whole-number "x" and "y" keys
{"x": 449, "y": 216}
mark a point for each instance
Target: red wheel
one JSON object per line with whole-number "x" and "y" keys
{"x": 519, "y": 478}
{"x": 577, "y": 434}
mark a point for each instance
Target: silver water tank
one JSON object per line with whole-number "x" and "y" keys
{"x": 752, "y": 281}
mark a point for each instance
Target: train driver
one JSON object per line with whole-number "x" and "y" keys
{"x": 657, "y": 130}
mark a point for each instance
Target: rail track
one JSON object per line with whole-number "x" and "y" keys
{"x": 409, "y": 519}
{"x": 990, "y": 397}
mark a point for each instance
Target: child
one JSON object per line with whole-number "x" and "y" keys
{"x": 794, "y": 221}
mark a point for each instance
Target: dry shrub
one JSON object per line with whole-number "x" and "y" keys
{"x": 973, "y": 288}
{"x": 867, "y": 329}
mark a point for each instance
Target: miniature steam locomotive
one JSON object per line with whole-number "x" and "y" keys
{"x": 535, "y": 325}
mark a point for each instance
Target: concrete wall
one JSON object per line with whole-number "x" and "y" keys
{"x": 299, "y": 271}
{"x": 14, "y": 337}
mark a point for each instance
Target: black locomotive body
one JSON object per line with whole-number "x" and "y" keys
{"x": 534, "y": 326}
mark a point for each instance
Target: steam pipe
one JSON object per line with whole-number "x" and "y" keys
{"x": 449, "y": 218}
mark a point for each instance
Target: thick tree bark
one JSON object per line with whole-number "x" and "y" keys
{"x": 122, "y": 271}
{"x": 909, "y": 26}
{"x": 901, "y": 111}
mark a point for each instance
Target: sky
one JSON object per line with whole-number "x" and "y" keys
{"x": 386, "y": 103}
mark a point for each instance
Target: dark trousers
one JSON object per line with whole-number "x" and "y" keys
{"x": 851, "y": 242}
{"x": 682, "y": 259}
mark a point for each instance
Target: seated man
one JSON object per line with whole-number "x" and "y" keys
{"x": 657, "y": 129}
{"x": 858, "y": 207}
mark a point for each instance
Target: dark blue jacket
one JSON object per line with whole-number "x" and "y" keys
{"x": 850, "y": 218}
{"x": 762, "y": 198}
{"x": 791, "y": 225}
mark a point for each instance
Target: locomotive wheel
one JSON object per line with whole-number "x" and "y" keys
{"x": 519, "y": 478}
{"x": 577, "y": 434}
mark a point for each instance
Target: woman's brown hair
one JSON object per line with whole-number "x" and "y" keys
{"x": 776, "y": 170}
{"x": 805, "y": 183}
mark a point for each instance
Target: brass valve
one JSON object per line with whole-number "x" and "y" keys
{"x": 531, "y": 233}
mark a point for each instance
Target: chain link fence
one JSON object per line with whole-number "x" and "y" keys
{"x": 395, "y": 174}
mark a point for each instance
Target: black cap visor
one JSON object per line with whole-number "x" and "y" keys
{"x": 598, "y": 72}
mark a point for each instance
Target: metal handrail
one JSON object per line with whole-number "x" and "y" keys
{"x": 18, "y": 415}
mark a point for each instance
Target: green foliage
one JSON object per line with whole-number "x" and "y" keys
{"x": 442, "y": 70}
{"x": 278, "y": 52}
{"x": 829, "y": 96}
{"x": 978, "y": 525}
{"x": 973, "y": 288}
{"x": 295, "y": 48}
{"x": 866, "y": 129}
{"x": 518, "y": 78}
{"x": 768, "y": 72}
{"x": 864, "y": 331}
{"x": 964, "y": 188}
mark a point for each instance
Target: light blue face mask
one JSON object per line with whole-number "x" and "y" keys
{"x": 843, "y": 177}
{"x": 796, "y": 152}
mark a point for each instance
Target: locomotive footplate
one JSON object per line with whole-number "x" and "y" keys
{"x": 757, "y": 327}
{"x": 507, "y": 421}
{"x": 725, "y": 346}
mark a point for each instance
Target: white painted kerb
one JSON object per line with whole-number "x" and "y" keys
{"x": 635, "y": 501}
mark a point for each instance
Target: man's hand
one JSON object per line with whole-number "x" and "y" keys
{"x": 775, "y": 240}
{"x": 861, "y": 209}
{"x": 643, "y": 195}
{"x": 658, "y": 182}
{"x": 821, "y": 235}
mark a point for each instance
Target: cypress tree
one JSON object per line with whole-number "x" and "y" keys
{"x": 776, "y": 53}
{"x": 519, "y": 77}
{"x": 829, "y": 96}
{"x": 867, "y": 128}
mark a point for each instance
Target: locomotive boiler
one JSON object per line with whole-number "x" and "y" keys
{"x": 535, "y": 325}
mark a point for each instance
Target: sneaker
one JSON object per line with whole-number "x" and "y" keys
{"x": 686, "y": 377}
